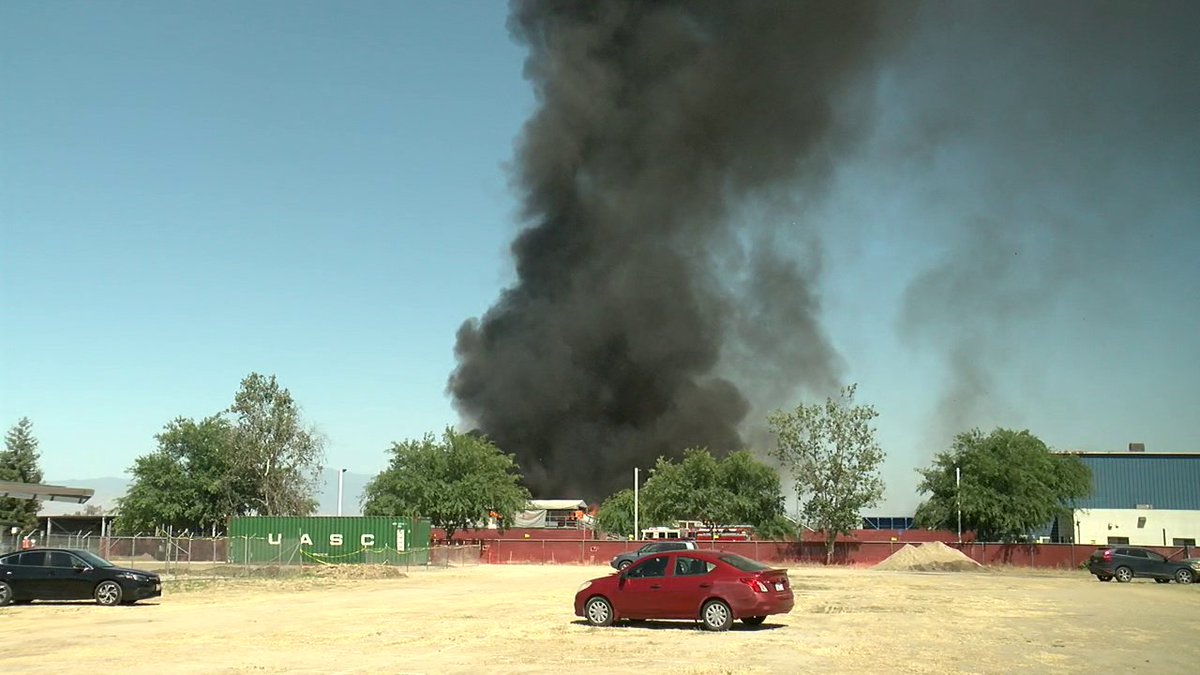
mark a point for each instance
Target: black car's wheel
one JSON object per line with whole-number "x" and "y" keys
{"x": 598, "y": 611}
{"x": 1124, "y": 574}
{"x": 1184, "y": 576}
{"x": 108, "y": 593}
{"x": 6, "y": 593}
{"x": 753, "y": 620}
{"x": 1103, "y": 577}
{"x": 715, "y": 615}
{"x": 623, "y": 564}
{"x": 1162, "y": 581}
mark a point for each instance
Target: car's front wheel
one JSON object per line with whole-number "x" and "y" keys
{"x": 1124, "y": 574}
{"x": 108, "y": 593}
{"x": 598, "y": 611}
{"x": 753, "y": 620}
{"x": 715, "y": 615}
{"x": 6, "y": 593}
{"x": 624, "y": 563}
{"x": 1184, "y": 576}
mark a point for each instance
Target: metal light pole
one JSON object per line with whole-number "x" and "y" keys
{"x": 958, "y": 499}
{"x": 637, "y": 534}
{"x": 341, "y": 472}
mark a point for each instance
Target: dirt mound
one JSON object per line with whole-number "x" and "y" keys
{"x": 933, "y": 556}
{"x": 358, "y": 571}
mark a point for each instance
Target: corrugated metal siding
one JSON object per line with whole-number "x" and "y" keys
{"x": 1125, "y": 481}
{"x": 321, "y": 539}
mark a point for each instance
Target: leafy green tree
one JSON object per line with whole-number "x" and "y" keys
{"x": 455, "y": 482}
{"x": 615, "y": 515}
{"x": 1012, "y": 484}
{"x": 832, "y": 454}
{"x": 19, "y": 464}
{"x": 190, "y": 483}
{"x": 737, "y": 489}
{"x": 273, "y": 450}
{"x": 779, "y": 528}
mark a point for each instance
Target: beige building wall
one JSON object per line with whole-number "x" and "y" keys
{"x": 1140, "y": 527}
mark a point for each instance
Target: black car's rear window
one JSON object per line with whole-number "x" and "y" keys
{"x": 743, "y": 564}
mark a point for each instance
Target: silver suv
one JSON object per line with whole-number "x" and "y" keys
{"x": 626, "y": 559}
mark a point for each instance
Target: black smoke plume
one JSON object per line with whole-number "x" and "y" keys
{"x": 644, "y": 318}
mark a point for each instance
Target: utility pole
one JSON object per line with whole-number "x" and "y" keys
{"x": 958, "y": 499}
{"x": 637, "y": 534}
{"x": 341, "y": 473}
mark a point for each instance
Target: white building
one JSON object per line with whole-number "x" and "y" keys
{"x": 1138, "y": 498}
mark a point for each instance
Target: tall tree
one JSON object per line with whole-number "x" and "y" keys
{"x": 19, "y": 463}
{"x": 455, "y": 482}
{"x": 1012, "y": 484}
{"x": 737, "y": 489}
{"x": 274, "y": 450}
{"x": 831, "y": 451}
{"x": 615, "y": 515}
{"x": 190, "y": 483}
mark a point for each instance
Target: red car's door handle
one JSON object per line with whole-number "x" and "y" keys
{"x": 655, "y": 587}
{"x": 706, "y": 585}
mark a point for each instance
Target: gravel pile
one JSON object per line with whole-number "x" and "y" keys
{"x": 933, "y": 556}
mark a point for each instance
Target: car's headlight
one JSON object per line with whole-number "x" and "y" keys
{"x": 586, "y": 584}
{"x": 133, "y": 577}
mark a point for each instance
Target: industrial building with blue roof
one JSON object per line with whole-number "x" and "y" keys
{"x": 1138, "y": 498}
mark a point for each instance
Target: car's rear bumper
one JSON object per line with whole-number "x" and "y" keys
{"x": 766, "y": 604}
{"x": 1101, "y": 570}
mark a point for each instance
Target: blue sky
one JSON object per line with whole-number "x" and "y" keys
{"x": 191, "y": 192}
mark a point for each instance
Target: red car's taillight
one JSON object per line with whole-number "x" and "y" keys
{"x": 756, "y": 584}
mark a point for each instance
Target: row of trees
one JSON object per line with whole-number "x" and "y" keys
{"x": 257, "y": 458}
{"x": 254, "y": 458}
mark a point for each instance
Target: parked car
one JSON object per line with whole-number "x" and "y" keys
{"x": 627, "y": 558}
{"x": 712, "y": 587}
{"x": 1125, "y": 563}
{"x": 71, "y": 574}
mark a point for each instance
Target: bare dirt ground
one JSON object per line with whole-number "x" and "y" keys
{"x": 519, "y": 619}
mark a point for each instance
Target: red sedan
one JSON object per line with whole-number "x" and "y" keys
{"x": 713, "y": 587}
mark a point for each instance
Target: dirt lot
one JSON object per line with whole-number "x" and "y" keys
{"x": 518, "y": 619}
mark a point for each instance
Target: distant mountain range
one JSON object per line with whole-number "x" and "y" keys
{"x": 108, "y": 489}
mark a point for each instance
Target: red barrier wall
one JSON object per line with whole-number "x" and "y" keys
{"x": 594, "y": 552}
{"x": 477, "y": 536}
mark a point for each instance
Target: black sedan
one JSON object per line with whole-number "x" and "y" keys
{"x": 70, "y": 574}
{"x": 1124, "y": 563}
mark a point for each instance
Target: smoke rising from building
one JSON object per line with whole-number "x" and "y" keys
{"x": 668, "y": 279}
{"x": 636, "y": 297}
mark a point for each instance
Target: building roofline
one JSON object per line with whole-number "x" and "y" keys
{"x": 1126, "y": 453}
{"x": 48, "y": 493}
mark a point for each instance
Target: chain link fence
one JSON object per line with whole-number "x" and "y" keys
{"x": 251, "y": 555}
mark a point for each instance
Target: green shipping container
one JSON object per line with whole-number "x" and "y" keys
{"x": 317, "y": 540}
